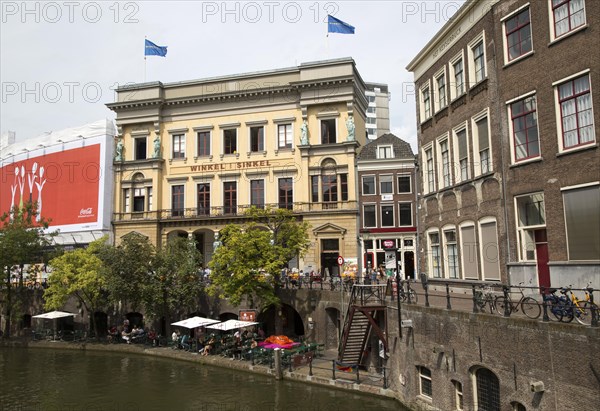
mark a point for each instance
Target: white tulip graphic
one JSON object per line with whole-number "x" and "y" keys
{"x": 13, "y": 189}
{"x": 31, "y": 179}
{"x": 21, "y": 186}
{"x": 40, "y": 186}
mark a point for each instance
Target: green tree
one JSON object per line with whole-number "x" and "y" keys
{"x": 127, "y": 269}
{"x": 174, "y": 285}
{"x": 247, "y": 265}
{"x": 78, "y": 273}
{"x": 22, "y": 241}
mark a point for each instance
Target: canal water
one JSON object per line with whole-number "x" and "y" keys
{"x": 57, "y": 380}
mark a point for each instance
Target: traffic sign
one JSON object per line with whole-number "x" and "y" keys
{"x": 340, "y": 260}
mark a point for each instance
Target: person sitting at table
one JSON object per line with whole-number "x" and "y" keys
{"x": 126, "y": 334}
{"x": 153, "y": 337}
{"x": 113, "y": 334}
{"x": 209, "y": 346}
{"x": 185, "y": 342}
{"x": 137, "y": 334}
{"x": 175, "y": 339}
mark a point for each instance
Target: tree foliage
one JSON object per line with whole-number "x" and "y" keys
{"x": 77, "y": 273}
{"x": 22, "y": 241}
{"x": 248, "y": 263}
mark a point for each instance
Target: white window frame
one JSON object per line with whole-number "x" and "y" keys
{"x": 386, "y": 148}
{"x": 429, "y": 177}
{"x": 237, "y": 140}
{"x": 184, "y": 141}
{"x": 452, "y": 76}
{"x": 566, "y": 190}
{"x": 473, "y": 249}
{"x": 391, "y": 178}
{"x": 288, "y": 133}
{"x": 410, "y": 190}
{"x": 458, "y": 167}
{"x": 374, "y": 184}
{"x": 374, "y": 205}
{"x": 430, "y": 264}
{"x": 553, "y": 36}
{"x": 135, "y": 154}
{"x": 558, "y": 110}
{"x": 210, "y": 148}
{"x": 425, "y": 377}
{"x": 411, "y": 215}
{"x": 513, "y": 154}
{"x": 393, "y": 214}
{"x": 264, "y": 139}
{"x": 127, "y": 200}
{"x": 522, "y": 244}
{"x": 507, "y": 59}
{"x": 424, "y": 115}
{"x": 472, "y": 81}
{"x": 477, "y": 164}
{"x": 446, "y": 180}
{"x": 438, "y": 104}
{"x": 484, "y": 249}
{"x": 338, "y": 137}
{"x": 443, "y": 240}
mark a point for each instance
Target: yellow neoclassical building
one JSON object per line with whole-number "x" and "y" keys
{"x": 192, "y": 156}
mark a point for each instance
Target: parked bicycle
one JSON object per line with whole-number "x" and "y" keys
{"x": 484, "y": 298}
{"x": 558, "y": 305}
{"x": 581, "y": 310}
{"x": 408, "y": 295}
{"x": 528, "y": 305}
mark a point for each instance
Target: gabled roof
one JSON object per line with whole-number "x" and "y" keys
{"x": 401, "y": 148}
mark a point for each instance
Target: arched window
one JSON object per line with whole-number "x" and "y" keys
{"x": 517, "y": 406}
{"x": 487, "y": 388}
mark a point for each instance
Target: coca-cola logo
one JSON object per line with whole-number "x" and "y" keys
{"x": 86, "y": 211}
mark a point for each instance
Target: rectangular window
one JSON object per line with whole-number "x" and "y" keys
{"x": 425, "y": 386}
{"x": 140, "y": 148}
{"x": 230, "y": 141}
{"x": 178, "y": 146}
{"x": 426, "y": 103}
{"x": 257, "y": 139}
{"x": 368, "y": 185}
{"x": 451, "y": 253}
{"x": 328, "y": 131}
{"x": 329, "y": 187}
{"x": 430, "y": 170}
{"x": 257, "y": 193}
{"x": 230, "y": 197}
{"x": 468, "y": 252}
{"x": 434, "y": 252}
{"x": 489, "y": 251}
{"x": 139, "y": 199}
{"x": 478, "y": 53}
{"x": 463, "y": 153}
{"x": 459, "y": 78}
{"x": 369, "y": 220}
{"x": 441, "y": 91}
{"x": 483, "y": 145}
{"x": 384, "y": 152}
{"x": 405, "y": 214}
{"x": 567, "y": 16}
{"x": 577, "y": 120}
{"x": 582, "y": 221}
{"x": 315, "y": 188}
{"x": 203, "y": 199}
{"x": 284, "y": 133}
{"x": 531, "y": 216}
{"x": 344, "y": 186}
{"x": 387, "y": 216}
{"x": 386, "y": 185}
{"x": 404, "y": 185}
{"x": 126, "y": 200}
{"x": 286, "y": 193}
{"x": 149, "y": 193}
{"x": 458, "y": 395}
{"x": 518, "y": 35}
{"x": 525, "y": 129}
{"x": 203, "y": 143}
{"x": 446, "y": 169}
{"x": 177, "y": 200}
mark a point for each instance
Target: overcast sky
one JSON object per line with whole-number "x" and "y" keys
{"x": 59, "y": 61}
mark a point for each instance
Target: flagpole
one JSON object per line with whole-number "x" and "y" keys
{"x": 327, "y": 39}
{"x": 145, "y": 58}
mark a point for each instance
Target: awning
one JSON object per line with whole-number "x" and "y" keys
{"x": 232, "y": 325}
{"x": 194, "y": 322}
{"x": 52, "y": 315}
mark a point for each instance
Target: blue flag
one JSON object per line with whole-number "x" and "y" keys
{"x": 154, "y": 50}
{"x": 338, "y": 26}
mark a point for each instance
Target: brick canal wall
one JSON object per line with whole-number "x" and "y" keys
{"x": 454, "y": 344}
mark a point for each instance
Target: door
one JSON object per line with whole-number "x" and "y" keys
{"x": 541, "y": 251}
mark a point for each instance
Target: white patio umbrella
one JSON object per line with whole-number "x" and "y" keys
{"x": 231, "y": 325}
{"x": 54, "y": 315}
{"x": 194, "y": 322}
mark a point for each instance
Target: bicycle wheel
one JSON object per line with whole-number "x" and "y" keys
{"x": 531, "y": 308}
{"x": 583, "y": 313}
{"x": 555, "y": 311}
{"x": 501, "y": 303}
{"x": 567, "y": 311}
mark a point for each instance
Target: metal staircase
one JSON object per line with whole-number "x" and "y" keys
{"x": 366, "y": 310}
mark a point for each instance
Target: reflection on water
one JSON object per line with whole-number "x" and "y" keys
{"x": 48, "y": 380}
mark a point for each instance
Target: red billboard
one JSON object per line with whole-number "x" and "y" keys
{"x": 65, "y": 184}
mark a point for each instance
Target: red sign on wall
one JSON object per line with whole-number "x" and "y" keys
{"x": 65, "y": 185}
